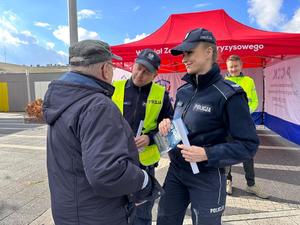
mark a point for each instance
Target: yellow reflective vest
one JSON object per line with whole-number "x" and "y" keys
{"x": 248, "y": 85}
{"x": 150, "y": 155}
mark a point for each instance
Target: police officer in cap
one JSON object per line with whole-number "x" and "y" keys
{"x": 212, "y": 109}
{"x": 140, "y": 99}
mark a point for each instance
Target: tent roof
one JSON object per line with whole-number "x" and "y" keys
{"x": 253, "y": 45}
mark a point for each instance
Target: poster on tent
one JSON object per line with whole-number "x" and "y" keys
{"x": 283, "y": 90}
{"x": 171, "y": 81}
{"x": 120, "y": 74}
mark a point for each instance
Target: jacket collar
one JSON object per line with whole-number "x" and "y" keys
{"x": 130, "y": 83}
{"x": 87, "y": 80}
{"x": 228, "y": 75}
{"x": 204, "y": 80}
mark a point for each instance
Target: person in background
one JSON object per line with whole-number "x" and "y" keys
{"x": 92, "y": 159}
{"x": 211, "y": 109}
{"x": 139, "y": 98}
{"x": 234, "y": 68}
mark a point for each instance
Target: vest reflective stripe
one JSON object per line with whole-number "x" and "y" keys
{"x": 153, "y": 107}
{"x": 150, "y": 155}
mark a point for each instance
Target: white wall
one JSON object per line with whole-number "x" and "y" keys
{"x": 40, "y": 88}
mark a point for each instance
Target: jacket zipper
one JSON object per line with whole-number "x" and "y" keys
{"x": 189, "y": 103}
{"x": 136, "y": 104}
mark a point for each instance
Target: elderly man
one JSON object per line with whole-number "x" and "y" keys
{"x": 139, "y": 98}
{"x": 92, "y": 159}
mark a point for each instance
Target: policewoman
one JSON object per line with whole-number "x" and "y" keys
{"x": 139, "y": 98}
{"x": 211, "y": 108}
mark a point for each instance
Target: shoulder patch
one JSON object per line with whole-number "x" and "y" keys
{"x": 233, "y": 85}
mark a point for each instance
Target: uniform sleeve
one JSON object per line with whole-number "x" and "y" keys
{"x": 109, "y": 154}
{"x": 253, "y": 104}
{"x": 241, "y": 128}
{"x": 167, "y": 111}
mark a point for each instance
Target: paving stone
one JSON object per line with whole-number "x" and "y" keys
{"x": 24, "y": 193}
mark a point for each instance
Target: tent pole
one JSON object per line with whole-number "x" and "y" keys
{"x": 264, "y": 91}
{"x": 73, "y": 26}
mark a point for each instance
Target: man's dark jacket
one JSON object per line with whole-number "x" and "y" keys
{"x": 92, "y": 159}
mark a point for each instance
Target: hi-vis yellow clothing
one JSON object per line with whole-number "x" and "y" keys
{"x": 247, "y": 83}
{"x": 150, "y": 155}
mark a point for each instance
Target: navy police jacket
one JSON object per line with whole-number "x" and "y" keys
{"x": 214, "y": 109}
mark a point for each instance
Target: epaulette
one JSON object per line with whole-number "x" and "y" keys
{"x": 228, "y": 88}
{"x": 183, "y": 86}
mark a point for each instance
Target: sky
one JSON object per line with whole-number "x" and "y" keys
{"x": 34, "y": 32}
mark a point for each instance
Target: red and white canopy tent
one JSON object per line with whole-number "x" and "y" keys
{"x": 257, "y": 49}
{"x": 255, "y": 46}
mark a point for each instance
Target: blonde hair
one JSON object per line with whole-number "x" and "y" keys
{"x": 234, "y": 58}
{"x": 214, "y": 48}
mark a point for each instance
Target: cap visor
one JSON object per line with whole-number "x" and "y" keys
{"x": 183, "y": 47}
{"x": 113, "y": 56}
{"x": 146, "y": 64}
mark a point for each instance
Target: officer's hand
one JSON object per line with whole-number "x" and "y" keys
{"x": 142, "y": 141}
{"x": 164, "y": 126}
{"x": 193, "y": 153}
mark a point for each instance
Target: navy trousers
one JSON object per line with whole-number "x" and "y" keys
{"x": 206, "y": 191}
{"x": 249, "y": 172}
{"x": 143, "y": 212}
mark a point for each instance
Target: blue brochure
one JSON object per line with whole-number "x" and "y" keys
{"x": 168, "y": 142}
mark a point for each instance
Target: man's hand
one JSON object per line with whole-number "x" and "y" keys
{"x": 164, "y": 126}
{"x": 142, "y": 141}
{"x": 152, "y": 191}
{"x": 193, "y": 153}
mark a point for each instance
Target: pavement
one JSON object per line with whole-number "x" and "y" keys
{"x": 24, "y": 192}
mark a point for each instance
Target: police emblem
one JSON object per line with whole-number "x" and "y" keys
{"x": 150, "y": 56}
{"x": 186, "y": 36}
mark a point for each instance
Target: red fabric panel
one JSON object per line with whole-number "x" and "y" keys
{"x": 255, "y": 46}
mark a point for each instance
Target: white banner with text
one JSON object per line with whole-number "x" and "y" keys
{"x": 282, "y": 89}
